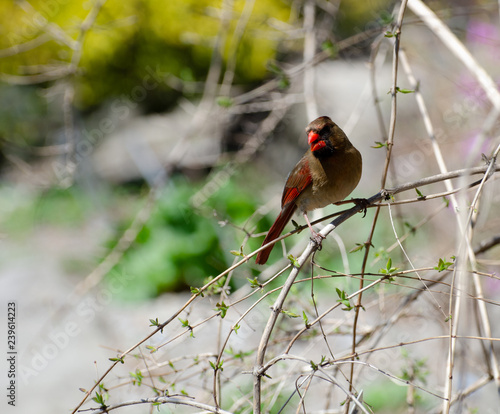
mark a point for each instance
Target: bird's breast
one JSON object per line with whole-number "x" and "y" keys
{"x": 333, "y": 179}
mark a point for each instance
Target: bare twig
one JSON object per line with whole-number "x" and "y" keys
{"x": 389, "y": 145}
{"x": 160, "y": 401}
{"x": 309, "y": 50}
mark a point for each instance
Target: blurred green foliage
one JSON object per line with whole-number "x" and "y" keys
{"x": 175, "y": 36}
{"x": 24, "y": 119}
{"x": 21, "y": 212}
{"x": 357, "y": 16}
{"x": 179, "y": 247}
{"x": 131, "y": 42}
{"x": 385, "y": 396}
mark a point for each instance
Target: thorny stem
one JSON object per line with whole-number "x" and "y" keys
{"x": 390, "y": 139}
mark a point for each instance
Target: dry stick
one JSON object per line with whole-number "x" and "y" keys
{"x": 158, "y": 329}
{"x": 486, "y": 245}
{"x": 297, "y": 70}
{"x": 384, "y": 328}
{"x": 453, "y": 321}
{"x": 457, "y": 48}
{"x": 266, "y": 127}
{"x": 163, "y": 400}
{"x": 309, "y": 96}
{"x": 465, "y": 250}
{"x": 223, "y": 347}
{"x": 472, "y": 388}
{"x": 111, "y": 260}
{"x": 318, "y": 368}
{"x": 69, "y": 92}
{"x": 392, "y": 128}
{"x": 310, "y": 248}
{"x": 371, "y": 350}
{"x": 204, "y": 109}
{"x": 301, "y": 402}
{"x": 489, "y": 86}
{"x": 420, "y": 224}
{"x": 387, "y": 193}
{"x": 250, "y": 148}
{"x": 326, "y": 312}
{"x": 225, "y": 88}
{"x": 276, "y": 308}
{"x": 26, "y": 46}
{"x": 309, "y": 49}
{"x": 53, "y": 29}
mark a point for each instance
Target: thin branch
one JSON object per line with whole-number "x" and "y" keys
{"x": 389, "y": 145}
{"x": 160, "y": 401}
{"x": 309, "y": 50}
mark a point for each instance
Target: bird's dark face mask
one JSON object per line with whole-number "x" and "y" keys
{"x": 320, "y": 145}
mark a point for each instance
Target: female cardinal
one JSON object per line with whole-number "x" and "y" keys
{"x": 326, "y": 174}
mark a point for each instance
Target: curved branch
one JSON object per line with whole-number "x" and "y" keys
{"x": 163, "y": 400}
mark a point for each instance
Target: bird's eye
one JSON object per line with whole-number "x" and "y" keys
{"x": 324, "y": 131}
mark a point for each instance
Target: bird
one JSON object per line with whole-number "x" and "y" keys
{"x": 327, "y": 173}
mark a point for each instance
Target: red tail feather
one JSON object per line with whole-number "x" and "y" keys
{"x": 275, "y": 231}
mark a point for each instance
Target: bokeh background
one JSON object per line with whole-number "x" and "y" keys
{"x": 145, "y": 143}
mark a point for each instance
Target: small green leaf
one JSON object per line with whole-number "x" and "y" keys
{"x": 240, "y": 355}
{"x": 155, "y": 322}
{"x": 236, "y": 253}
{"x": 389, "y": 269}
{"x": 214, "y": 288}
{"x": 344, "y": 300}
{"x": 398, "y": 89}
{"x": 329, "y": 47}
{"x": 218, "y": 367}
{"x": 254, "y": 283}
{"x": 293, "y": 261}
{"x": 136, "y": 377}
{"x": 222, "y": 308}
{"x": 359, "y": 247}
{"x": 152, "y": 349}
{"x": 411, "y": 228}
{"x": 101, "y": 397}
{"x": 118, "y": 359}
{"x": 305, "y": 319}
{"x": 419, "y": 193}
{"x": 184, "y": 322}
{"x": 389, "y": 34}
{"x": 283, "y": 82}
{"x": 448, "y": 318}
{"x": 197, "y": 291}
{"x": 442, "y": 265}
{"x": 446, "y": 202}
{"x": 236, "y": 327}
{"x": 290, "y": 314}
{"x": 224, "y": 101}
{"x": 379, "y": 144}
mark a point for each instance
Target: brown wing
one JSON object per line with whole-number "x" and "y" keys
{"x": 298, "y": 180}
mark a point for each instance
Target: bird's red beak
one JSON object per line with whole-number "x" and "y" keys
{"x": 314, "y": 141}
